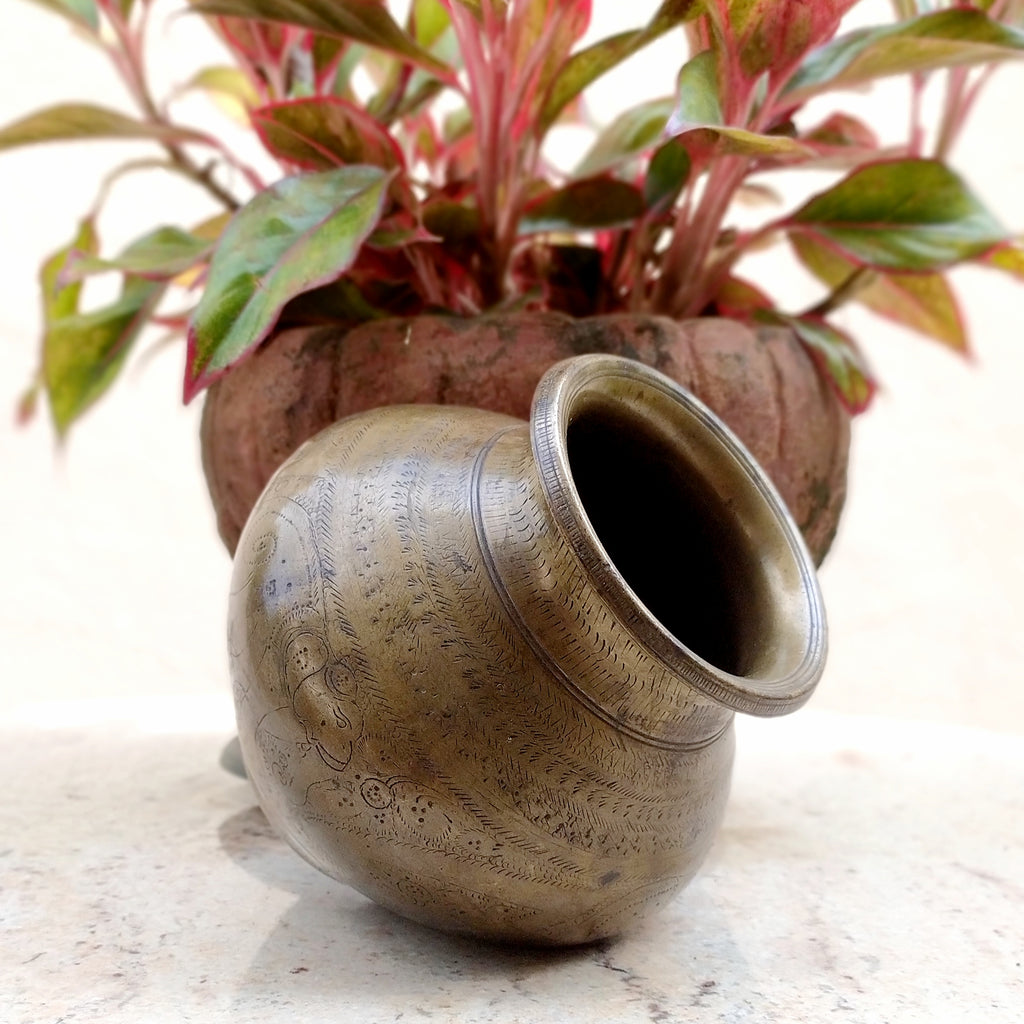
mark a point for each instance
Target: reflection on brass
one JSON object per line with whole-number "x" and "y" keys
{"x": 485, "y": 671}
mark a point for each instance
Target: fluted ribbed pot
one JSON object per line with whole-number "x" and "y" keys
{"x": 486, "y": 671}
{"x": 760, "y": 380}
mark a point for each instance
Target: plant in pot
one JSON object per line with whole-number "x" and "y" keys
{"x": 414, "y": 241}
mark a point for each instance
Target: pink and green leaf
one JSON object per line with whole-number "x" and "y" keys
{"x": 722, "y": 140}
{"x": 83, "y": 13}
{"x": 667, "y": 174}
{"x": 60, "y": 295}
{"x": 900, "y": 215}
{"x": 84, "y": 352}
{"x": 67, "y": 122}
{"x": 772, "y": 35}
{"x": 365, "y": 21}
{"x": 697, "y": 117}
{"x": 1009, "y": 258}
{"x": 550, "y": 30}
{"x": 838, "y": 358}
{"x": 229, "y": 85}
{"x": 842, "y": 131}
{"x": 428, "y": 22}
{"x": 324, "y": 132}
{"x": 740, "y": 299}
{"x": 697, "y": 93}
{"x": 300, "y": 234}
{"x": 631, "y": 133}
{"x": 925, "y": 302}
{"x": 587, "y": 65}
{"x": 159, "y": 255}
{"x": 962, "y": 36}
{"x": 585, "y": 205}
{"x": 60, "y": 298}
{"x": 842, "y": 142}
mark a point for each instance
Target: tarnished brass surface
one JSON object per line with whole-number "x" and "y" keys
{"x": 485, "y": 671}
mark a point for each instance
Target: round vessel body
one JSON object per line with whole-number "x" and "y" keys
{"x": 485, "y": 671}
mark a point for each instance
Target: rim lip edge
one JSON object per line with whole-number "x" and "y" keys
{"x": 554, "y": 401}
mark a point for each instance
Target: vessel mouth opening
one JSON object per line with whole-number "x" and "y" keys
{"x": 676, "y": 540}
{"x": 680, "y": 533}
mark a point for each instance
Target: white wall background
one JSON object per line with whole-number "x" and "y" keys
{"x": 114, "y": 581}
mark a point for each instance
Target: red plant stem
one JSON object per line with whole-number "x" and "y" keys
{"x": 689, "y": 277}
{"x": 682, "y": 288}
{"x": 477, "y": 97}
{"x": 960, "y": 98}
{"x": 497, "y": 154}
{"x": 915, "y": 143}
{"x": 242, "y": 59}
{"x": 270, "y": 69}
{"x": 129, "y": 61}
{"x": 519, "y": 149}
{"x": 426, "y": 271}
{"x": 487, "y": 71}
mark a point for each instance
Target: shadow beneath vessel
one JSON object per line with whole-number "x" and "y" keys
{"x": 334, "y": 948}
{"x": 331, "y": 921}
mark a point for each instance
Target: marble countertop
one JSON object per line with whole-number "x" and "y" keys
{"x": 868, "y": 871}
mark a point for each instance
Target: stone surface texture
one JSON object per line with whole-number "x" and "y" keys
{"x": 868, "y": 871}
{"x": 871, "y": 869}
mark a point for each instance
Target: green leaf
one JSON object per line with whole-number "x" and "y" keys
{"x": 451, "y": 221}
{"x": 585, "y": 205}
{"x": 584, "y": 67}
{"x": 738, "y": 299}
{"x": 922, "y": 302}
{"x": 843, "y": 142}
{"x": 671, "y": 13}
{"x": 587, "y": 65}
{"x": 1008, "y": 258}
{"x": 158, "y": 255}
{"x": 726, "y": 141}
{"x": 697, "y": 116}
{"x": 299, "y": 234}
{"x": 667, "y": 173}
{"x": 632, "y": 132}
{"x": 226, "y": 83}
{"x": 72, "y": 121}
{"x": 365, "y": 21}
{"x": 85, "y": 351}
{"x": 533, "y": 26}
{"x": 60, "y": 296}
{"x": 697, "y": 89}
{"x": 773, "y": 35}
{"x": 339, "y": 302}
{"x": 27, "y": 403}
{"x": 838, "y": 358}
{"x": 81, "y": 12}
{"x": 901, "y": 215}
{"x": 842, "y": 131}
{"x": 941, "y": 39}
{"x": 401, "y": 94}
{"x": 552, "y": 30}
{"x": 429, "y": 21}
{"x": 324, "y": 132}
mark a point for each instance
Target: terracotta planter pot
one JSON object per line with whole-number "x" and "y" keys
{"x": 486, "y": 671}
{"x": 761, "y": 383}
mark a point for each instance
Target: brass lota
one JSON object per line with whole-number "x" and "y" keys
{"x": 486, "y": 671}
